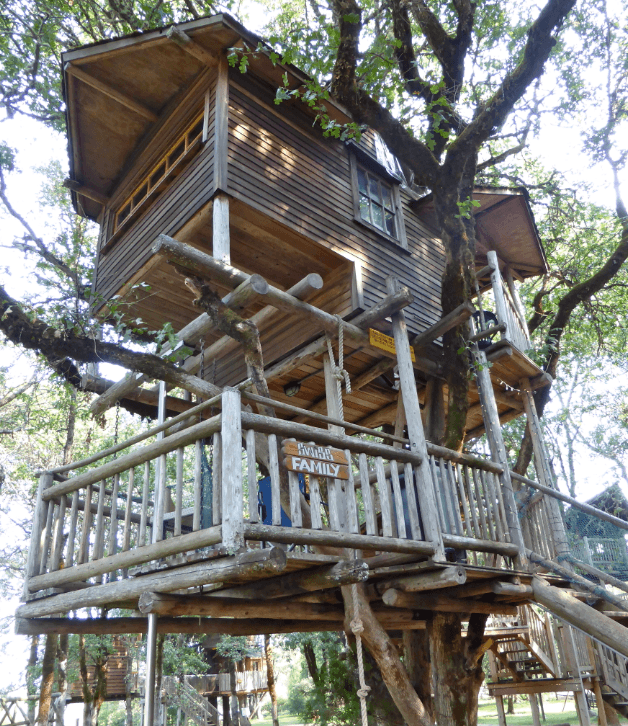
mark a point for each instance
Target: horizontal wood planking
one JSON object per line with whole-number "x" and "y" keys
{"x": 184, "y": 196}
{"x": 276, "y": 168}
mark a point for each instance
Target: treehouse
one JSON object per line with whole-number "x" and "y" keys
{"x": 318, "y": 463}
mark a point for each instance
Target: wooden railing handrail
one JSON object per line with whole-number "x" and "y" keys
{"x": 135, "y": 458}
{"x": 593, "y": 511}
{"x": 322, "y": 418}
{"x": 465, "y": 459}
{"x": 135, "y": 439}
{"x": 291, "y": 429}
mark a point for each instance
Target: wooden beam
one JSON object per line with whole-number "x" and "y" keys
{"x": 135, "y": 458}
{"x": 202, "y": 605}
{"x": 582, "y": 616}
{"x": 197, "y": 262}
{"x": 194, "y": 626}
{"x": 247, "y": 290}
{"x": 190, "y": 46}
{"x": 451, "y": 320}
{"x": 226, "y": 344}
{"x": 443, "y": 604}
{"x": 455, "y": 317}
{"x": 315, "y": 538}
{"x": 84, "y": 191}
{"x": 99, "y": 385}
{"x": 116, "y": 95}
{"x": 447, "y": 577}
{"x": 344, "y": 572}
{"x": 255, "y": 562}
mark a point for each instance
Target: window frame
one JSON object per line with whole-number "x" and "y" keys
{"x": 359, "y": 158}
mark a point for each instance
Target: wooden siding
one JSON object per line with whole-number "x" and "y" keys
{"x": 280, "y": 166}
{"x": 181, "y": 199}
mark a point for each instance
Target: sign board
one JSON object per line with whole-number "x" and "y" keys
{"x": 385, "y": 342}
{"x": 317, "y": 460}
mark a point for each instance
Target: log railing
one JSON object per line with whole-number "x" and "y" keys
{"x": 508, "y": 309}
{"x": 198, "y": 486}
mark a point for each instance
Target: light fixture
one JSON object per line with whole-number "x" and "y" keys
{"x": 292, "y": 388}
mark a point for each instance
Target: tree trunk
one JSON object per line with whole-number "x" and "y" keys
{"x": 416, "y": 658}
{"x": 310, "y": 661}
{"x": 159, "y": 667}
{"x": 385, "y": 653}
{"x": 31, "y": 690}
{"x": 234, "y": 703}
{"x": 457, "y": 673}
{"x": 510, "y": 709}
{"x": 452, "y": 203}
{"x": 62, "y": 675}
{"x": 47, "y": 679}
{"x": 271, "y": 677}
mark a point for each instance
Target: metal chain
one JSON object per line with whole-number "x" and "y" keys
{"x": 357, "y": 628}
{"x": 116, "y": 428}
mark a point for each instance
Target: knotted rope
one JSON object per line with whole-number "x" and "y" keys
{"x": 357, "y": 628}
{"x": 338, "y": 371}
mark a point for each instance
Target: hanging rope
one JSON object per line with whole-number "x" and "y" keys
{"x": 357, "y": 628}
{"x": 338, "y": 371}
{"x": 117, "y": 428}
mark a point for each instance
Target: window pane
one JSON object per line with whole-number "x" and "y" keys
{"x": 364, "y": 208}
{"x": 390, "y": 223}
{"x": 374, "y": 190}
{"x": 387, "y": 195}
{"x": 378, "y": 216}
{"x": 362, "y": 181}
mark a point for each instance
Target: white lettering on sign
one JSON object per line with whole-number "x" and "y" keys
{"x": 315, "y": 452}
{"x": 311, "y": 466}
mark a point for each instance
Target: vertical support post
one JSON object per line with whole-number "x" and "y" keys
{"x": 534, "y": 707}
{"x": 151, "y": 661}
{"x": 599, "y": 701}
{"x": 39, "y": 522}
{"x": 334, "y": 410}
{"x": 541, "y": 464}
{"x": 221, "y": 241}
{"x": 498, "y": 450}
{"x": 571, "y": 653}
{"x": 499, "y": 700}
{"x": 587, "y": 551}
{"x": 518, "y": 305}
{"x": 160, "y": 484}
{"x": 232, "y": 501}
{"x": 220, "y": 212}
{"x": 425, "y": 486}
{"x": 498, "y": 292}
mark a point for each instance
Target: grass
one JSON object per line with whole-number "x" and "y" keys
{"x": 557, "y": 711}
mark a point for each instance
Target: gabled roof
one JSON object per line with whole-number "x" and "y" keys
{"x": 504, "y": 223}
{"x": 118, "y": 92}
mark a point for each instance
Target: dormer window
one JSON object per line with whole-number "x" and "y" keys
{"x": 376, "y": 198}
{"x": 376, "y": 202}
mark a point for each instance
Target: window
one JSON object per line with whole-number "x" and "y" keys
{"x": 160, "y": 175}
{"x": 377, "y": 202}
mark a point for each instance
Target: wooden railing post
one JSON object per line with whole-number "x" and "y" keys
{"x": 425, "y": 486}
{"x": 544, "y": 474}
{"x": 498, "y": 291}
{"x": 498, "y": 449}
{"x": 232, "y": 501}
{"x": 39, "y": 522}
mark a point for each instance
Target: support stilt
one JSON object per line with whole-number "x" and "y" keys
{"x": 151, "y": 659}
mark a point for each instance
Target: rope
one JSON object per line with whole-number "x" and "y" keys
{"x": 357, "y": 628}
{"x": 338, "y": 371}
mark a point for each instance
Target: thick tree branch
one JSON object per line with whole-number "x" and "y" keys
{"x": 490, "y": 116}
{"x": 61, "y": 348}
{"x": 363, "y": 108}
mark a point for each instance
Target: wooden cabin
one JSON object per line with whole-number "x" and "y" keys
{"x": 248, "y": 507}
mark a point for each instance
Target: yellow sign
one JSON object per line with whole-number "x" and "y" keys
{"x": 385, "y": 342}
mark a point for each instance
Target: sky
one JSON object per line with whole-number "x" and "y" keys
{"x": 37, "y": 146}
